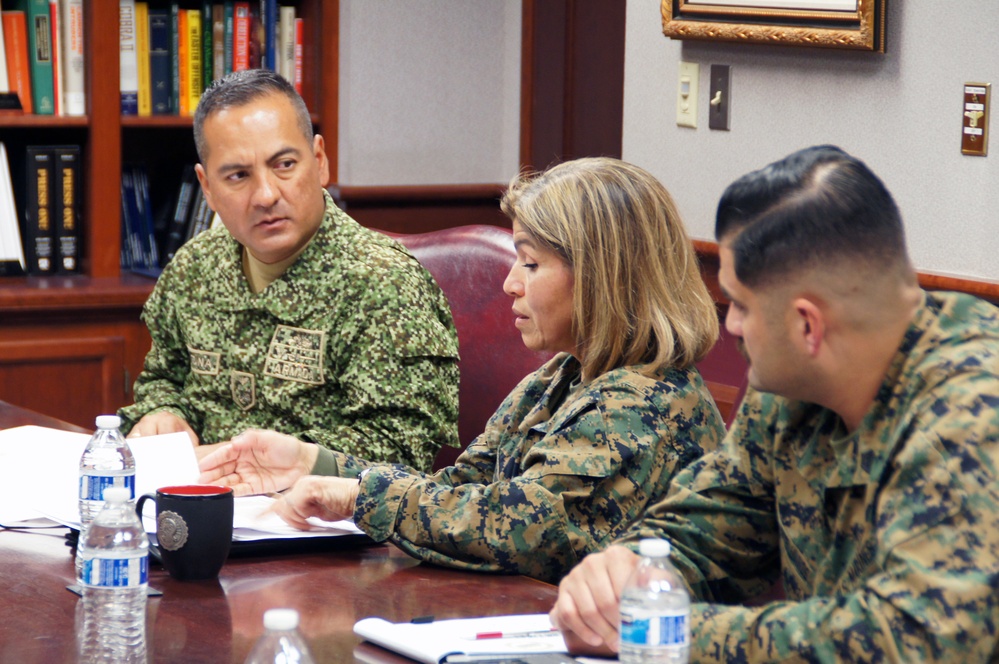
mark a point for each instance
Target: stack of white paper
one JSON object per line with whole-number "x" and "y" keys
{"x": 39, "y": 478}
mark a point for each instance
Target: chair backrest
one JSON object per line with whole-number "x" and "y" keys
{"x": 725, "y": 371}
{"x": 470, "y": 264}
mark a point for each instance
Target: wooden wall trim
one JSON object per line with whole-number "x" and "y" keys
{"x": 987, "y": 290}
{"x": 438, "y": 193}
{"x": 422, "y": 208}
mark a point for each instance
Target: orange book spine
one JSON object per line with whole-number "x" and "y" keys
{"x": 184, "y": 59}
{"x": 15, "y": 35}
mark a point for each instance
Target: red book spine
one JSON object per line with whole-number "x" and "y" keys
{"x": 241, "y": 37}
{"x": 299, "y": 53}
{"x": 56, "y": 42}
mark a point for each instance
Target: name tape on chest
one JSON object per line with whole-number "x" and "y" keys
{"x": 296, "y": 354}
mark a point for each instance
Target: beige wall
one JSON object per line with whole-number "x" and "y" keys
{"x": 900, "y": 112}
{"x": 429, "y": 91}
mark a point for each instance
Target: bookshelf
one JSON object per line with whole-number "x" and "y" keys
{"x": 71, "y": 346}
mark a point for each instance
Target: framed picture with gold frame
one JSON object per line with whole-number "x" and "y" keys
{"x": 847, "y": 24}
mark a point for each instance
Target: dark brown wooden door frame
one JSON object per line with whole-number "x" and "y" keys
{"x": 572, "y": 80}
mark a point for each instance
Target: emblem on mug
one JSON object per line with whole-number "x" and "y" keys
{"x": 171, "y": 530}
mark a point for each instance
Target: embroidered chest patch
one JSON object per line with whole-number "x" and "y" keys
{"x": 296, "y": 354}
{"x": 244, "y": 389}
{"x": 205, "y": 362}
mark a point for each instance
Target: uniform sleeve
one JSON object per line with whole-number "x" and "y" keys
{"x": 579, "y": 486}
{"x": 930, "y": 593}
{"x": 399, "y": 371}
{"x": 719, "y": 515}
{"x": 160, "y": 385}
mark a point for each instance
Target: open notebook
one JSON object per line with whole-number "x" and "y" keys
{"x": 39, "y": 480}
{"x": 435, "y": 642}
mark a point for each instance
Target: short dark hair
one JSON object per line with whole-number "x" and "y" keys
{"x": 816, "y": 206}
{"x": 240, "y": 88}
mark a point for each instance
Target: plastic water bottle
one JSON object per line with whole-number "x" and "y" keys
{"x": 655, "y": 610}
{"x": 106, "y": 462}
{"x": 281, "y": 642}
{"x": 113, "y": 576}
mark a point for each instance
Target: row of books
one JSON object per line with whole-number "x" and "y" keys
{"x": 151, "y": 237}
{"x": 42, "y": 66}
{"x": 169, "y": 53}
{"x": 42, "y": 235}
{"x": 40, "y": 215}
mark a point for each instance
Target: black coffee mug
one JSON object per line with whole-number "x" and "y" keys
{"x": 193, "y": 529}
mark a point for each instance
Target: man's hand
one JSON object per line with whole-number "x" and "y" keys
{"x": 329, "y": 498}
{"x": 589, "y": 598}
{"x": 258, "y": 461}
{"x": 154, "y": 424}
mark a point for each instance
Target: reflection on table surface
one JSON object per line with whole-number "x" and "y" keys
{"x": 220, "y": 620}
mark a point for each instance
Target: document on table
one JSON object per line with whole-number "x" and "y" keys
{"x": 434, "y": 642}
{"x": 39, "y": 479}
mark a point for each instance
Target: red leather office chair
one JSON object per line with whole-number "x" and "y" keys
{"x": 470, "y": 264}
{"x": 724, "y": 370}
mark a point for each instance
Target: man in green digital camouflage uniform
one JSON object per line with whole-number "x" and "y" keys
{"x": 865, "y": 480}
{"x": 293, "y": 317}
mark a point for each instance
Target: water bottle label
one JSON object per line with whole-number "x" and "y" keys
{"x": 92, "y": 486}
{"x": 115, "y": 572}
{"x": 655, "y": 630}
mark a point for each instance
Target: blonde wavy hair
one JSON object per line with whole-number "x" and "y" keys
{"x": 638, "y": 296}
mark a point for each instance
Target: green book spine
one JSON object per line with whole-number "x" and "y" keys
{"x": 40, "y": 56}
{"x": 207, "y": 57}
{"x": 228, "y": 11}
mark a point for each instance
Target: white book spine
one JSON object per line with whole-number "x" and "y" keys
{"x": 4, "y": 81}
{"x": 71, "y": 17}
{"x": 10, "y": 232}
{"x": 286, "y": 43}
{"x": 128, "y": 60}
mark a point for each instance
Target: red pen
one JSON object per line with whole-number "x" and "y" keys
{"x": 514, "y": 635}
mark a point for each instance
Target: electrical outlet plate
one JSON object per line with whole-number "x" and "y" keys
{"x": 975, "y": 125}
{"x": 686, "y": 95}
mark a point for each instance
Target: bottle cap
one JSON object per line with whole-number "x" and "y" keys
{"x": 117, "y": 494}
{"x": 654, "y": 548}
{"x": 280, "y": 619}
{"x": 108, "y": 421}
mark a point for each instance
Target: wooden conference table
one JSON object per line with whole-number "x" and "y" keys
{"x": 219, "y": 621}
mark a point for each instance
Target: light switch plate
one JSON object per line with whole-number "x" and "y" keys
{"x": 975, "y": 119}
{"x": 686, "y": 95}
{"x": 720, "y": 97}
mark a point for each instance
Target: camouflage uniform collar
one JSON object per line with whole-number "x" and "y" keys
{"x": 557, "y": 375}
{"x": 236, "y": 294}
{"x": 562, "y": 400}
{"x": 861, "y": 455}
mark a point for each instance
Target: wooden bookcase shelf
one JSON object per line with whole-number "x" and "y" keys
{"x": 71, "y": 347}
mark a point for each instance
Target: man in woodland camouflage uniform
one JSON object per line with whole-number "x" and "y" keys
{"x": 861, "y": 468}
{"x": 293, "y": 317}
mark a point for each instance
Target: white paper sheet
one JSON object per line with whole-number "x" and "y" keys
{"x": 432, "y": 642}
{"x": 39, "y": 478}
